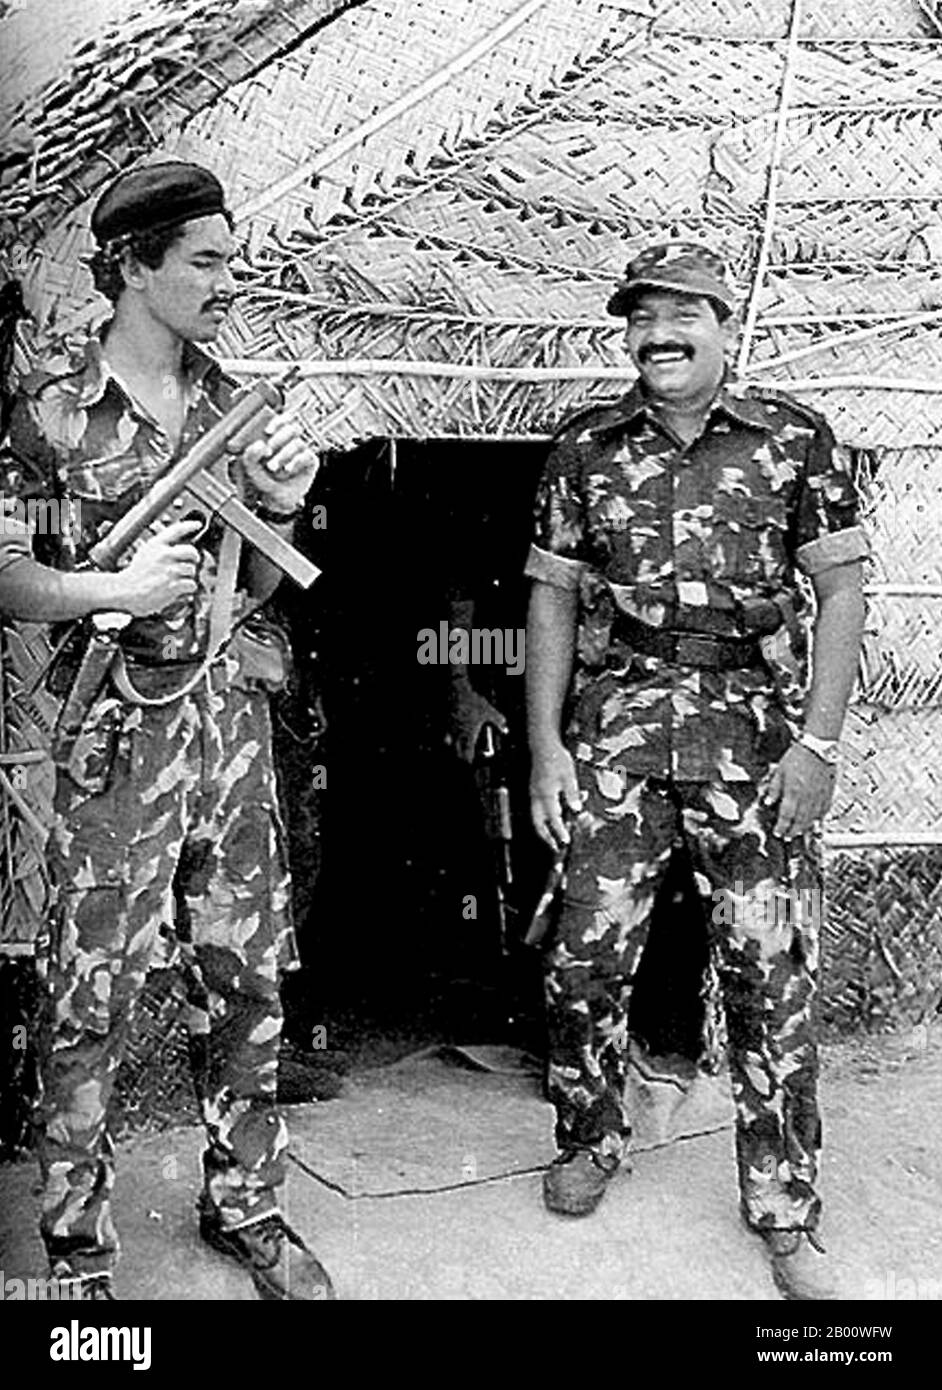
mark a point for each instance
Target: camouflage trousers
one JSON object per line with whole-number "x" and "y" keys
{"x": 167, "y": 849}
{"x": 762, "y": 898}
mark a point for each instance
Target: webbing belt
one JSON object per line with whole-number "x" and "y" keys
{"x": 688, "y": 648}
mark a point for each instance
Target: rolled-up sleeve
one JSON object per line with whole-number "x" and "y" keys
{"x": 558, "y": 552}
{"x": 827, "y": 529}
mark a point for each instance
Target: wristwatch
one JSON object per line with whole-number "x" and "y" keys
{"x": 827, "y": 749}
{"x": 276, "y": 518}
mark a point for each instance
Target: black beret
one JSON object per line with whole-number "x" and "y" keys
{"x": 159, "y": 195}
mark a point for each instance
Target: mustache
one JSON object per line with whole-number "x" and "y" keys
{"x": 648, "y": 348}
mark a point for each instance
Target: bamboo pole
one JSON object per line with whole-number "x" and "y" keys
{"x": 887, "y": 316}
{"x": 905, "y": 590}
{"x": 771, "y": 202}
{"x": 839, "y": 340}
{"x": 312, "y": 167}
{"x": 544, "y": 109}
{"x": 877, "y": 839}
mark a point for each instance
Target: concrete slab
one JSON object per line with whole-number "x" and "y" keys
{"x": 664, "y": 1112}
{"x": 423, "y": 1182}
{"x": 882, "y": 1179}
{"x": 429, "y": 1123}
{"x": 424, "y": 1125}
{"x": 162, "y": 1255}
{"x": 494, "y": 1240}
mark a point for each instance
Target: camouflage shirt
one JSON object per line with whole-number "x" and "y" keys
{"x": 81, "y": 450}
{"x": 689, "y": 538}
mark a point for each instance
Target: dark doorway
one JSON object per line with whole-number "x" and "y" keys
{"x": 389, "y": 855}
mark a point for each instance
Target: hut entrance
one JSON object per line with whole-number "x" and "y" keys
{"x": 395, "y": 880}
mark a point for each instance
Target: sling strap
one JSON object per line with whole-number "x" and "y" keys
{"x": 220, "y": 629}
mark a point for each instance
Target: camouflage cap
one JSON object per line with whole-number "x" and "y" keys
{"x": 683, "y": 266}
{"x": 159, "y": 195}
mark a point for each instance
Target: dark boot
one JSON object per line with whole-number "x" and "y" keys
{"x": 84, "y": 1288}
{"x": 282, "y": 1267}
{"x": 800, "y": 1266}
{"x": 575, "y": 1182}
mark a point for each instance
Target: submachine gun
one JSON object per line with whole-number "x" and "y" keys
{"x": 200, "y": 486}
{"x": 491, "y": 779}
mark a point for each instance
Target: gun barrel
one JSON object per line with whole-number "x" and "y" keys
{"x": 221, "y": 438}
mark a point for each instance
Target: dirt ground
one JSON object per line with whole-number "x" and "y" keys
{"x": 422, "y": 1181}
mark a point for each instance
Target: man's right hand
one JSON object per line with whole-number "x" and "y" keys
{"x": 554, "y": 790}
{"x": 468, "y": 713}
{"x": 161, "y": 573}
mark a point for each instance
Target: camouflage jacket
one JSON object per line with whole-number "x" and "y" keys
{"x": 81, "y": 450}
{"x": 689, "y": 538}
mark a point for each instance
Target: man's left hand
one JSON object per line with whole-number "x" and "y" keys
{"x": 803, "y": 785}
{"x": 282, "y": 466}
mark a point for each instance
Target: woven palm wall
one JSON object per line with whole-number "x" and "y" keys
{"x": 436, "y": 196}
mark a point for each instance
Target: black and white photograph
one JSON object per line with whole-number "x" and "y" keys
{"x": 471, "y": 663}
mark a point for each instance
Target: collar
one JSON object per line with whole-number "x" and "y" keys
{"x": 739, "y": 401}
{"x": 94, "y": 373}
{"x": 732, "y": 399}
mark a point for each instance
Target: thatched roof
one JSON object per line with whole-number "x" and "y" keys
{"x": 437, "y": 195}
{"x": 456, "y": 185}
{"x": 90, "y": 85}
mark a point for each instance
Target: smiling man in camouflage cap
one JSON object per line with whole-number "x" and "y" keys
{"x": 667, "y": 622}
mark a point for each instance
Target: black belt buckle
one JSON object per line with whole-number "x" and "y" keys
{"x": 697, "y": 649}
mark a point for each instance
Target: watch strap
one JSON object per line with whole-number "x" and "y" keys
{"x": 827, "y": 749}
{"x": 275, "y": 518}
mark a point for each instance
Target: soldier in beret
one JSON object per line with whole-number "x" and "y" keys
{"x": 667, "y": 695}
{"x": 168, "y": 845}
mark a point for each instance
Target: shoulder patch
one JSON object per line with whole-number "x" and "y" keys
{"x": 594, "y": 414}
{"x": 805, "y": 413}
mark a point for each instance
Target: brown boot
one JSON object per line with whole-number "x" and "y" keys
{"x": 800, "y": 1266}
{"x": 283, "y": 1269}
{"x": 575, "y": 1182}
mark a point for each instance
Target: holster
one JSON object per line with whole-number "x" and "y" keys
{"x": 69, "y": 644}
{"x": 94, "y": 669}
{"x": 545, "y": 914}
{"x": 264, "y": 655}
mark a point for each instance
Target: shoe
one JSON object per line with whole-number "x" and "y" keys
{"x": 800, "y": 1266}
{"x": 575, "y": 1182}
{"x": 79, "y": 1288}
{"x": 283, "y": 1269}
{"x": 97, "y": 1289}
